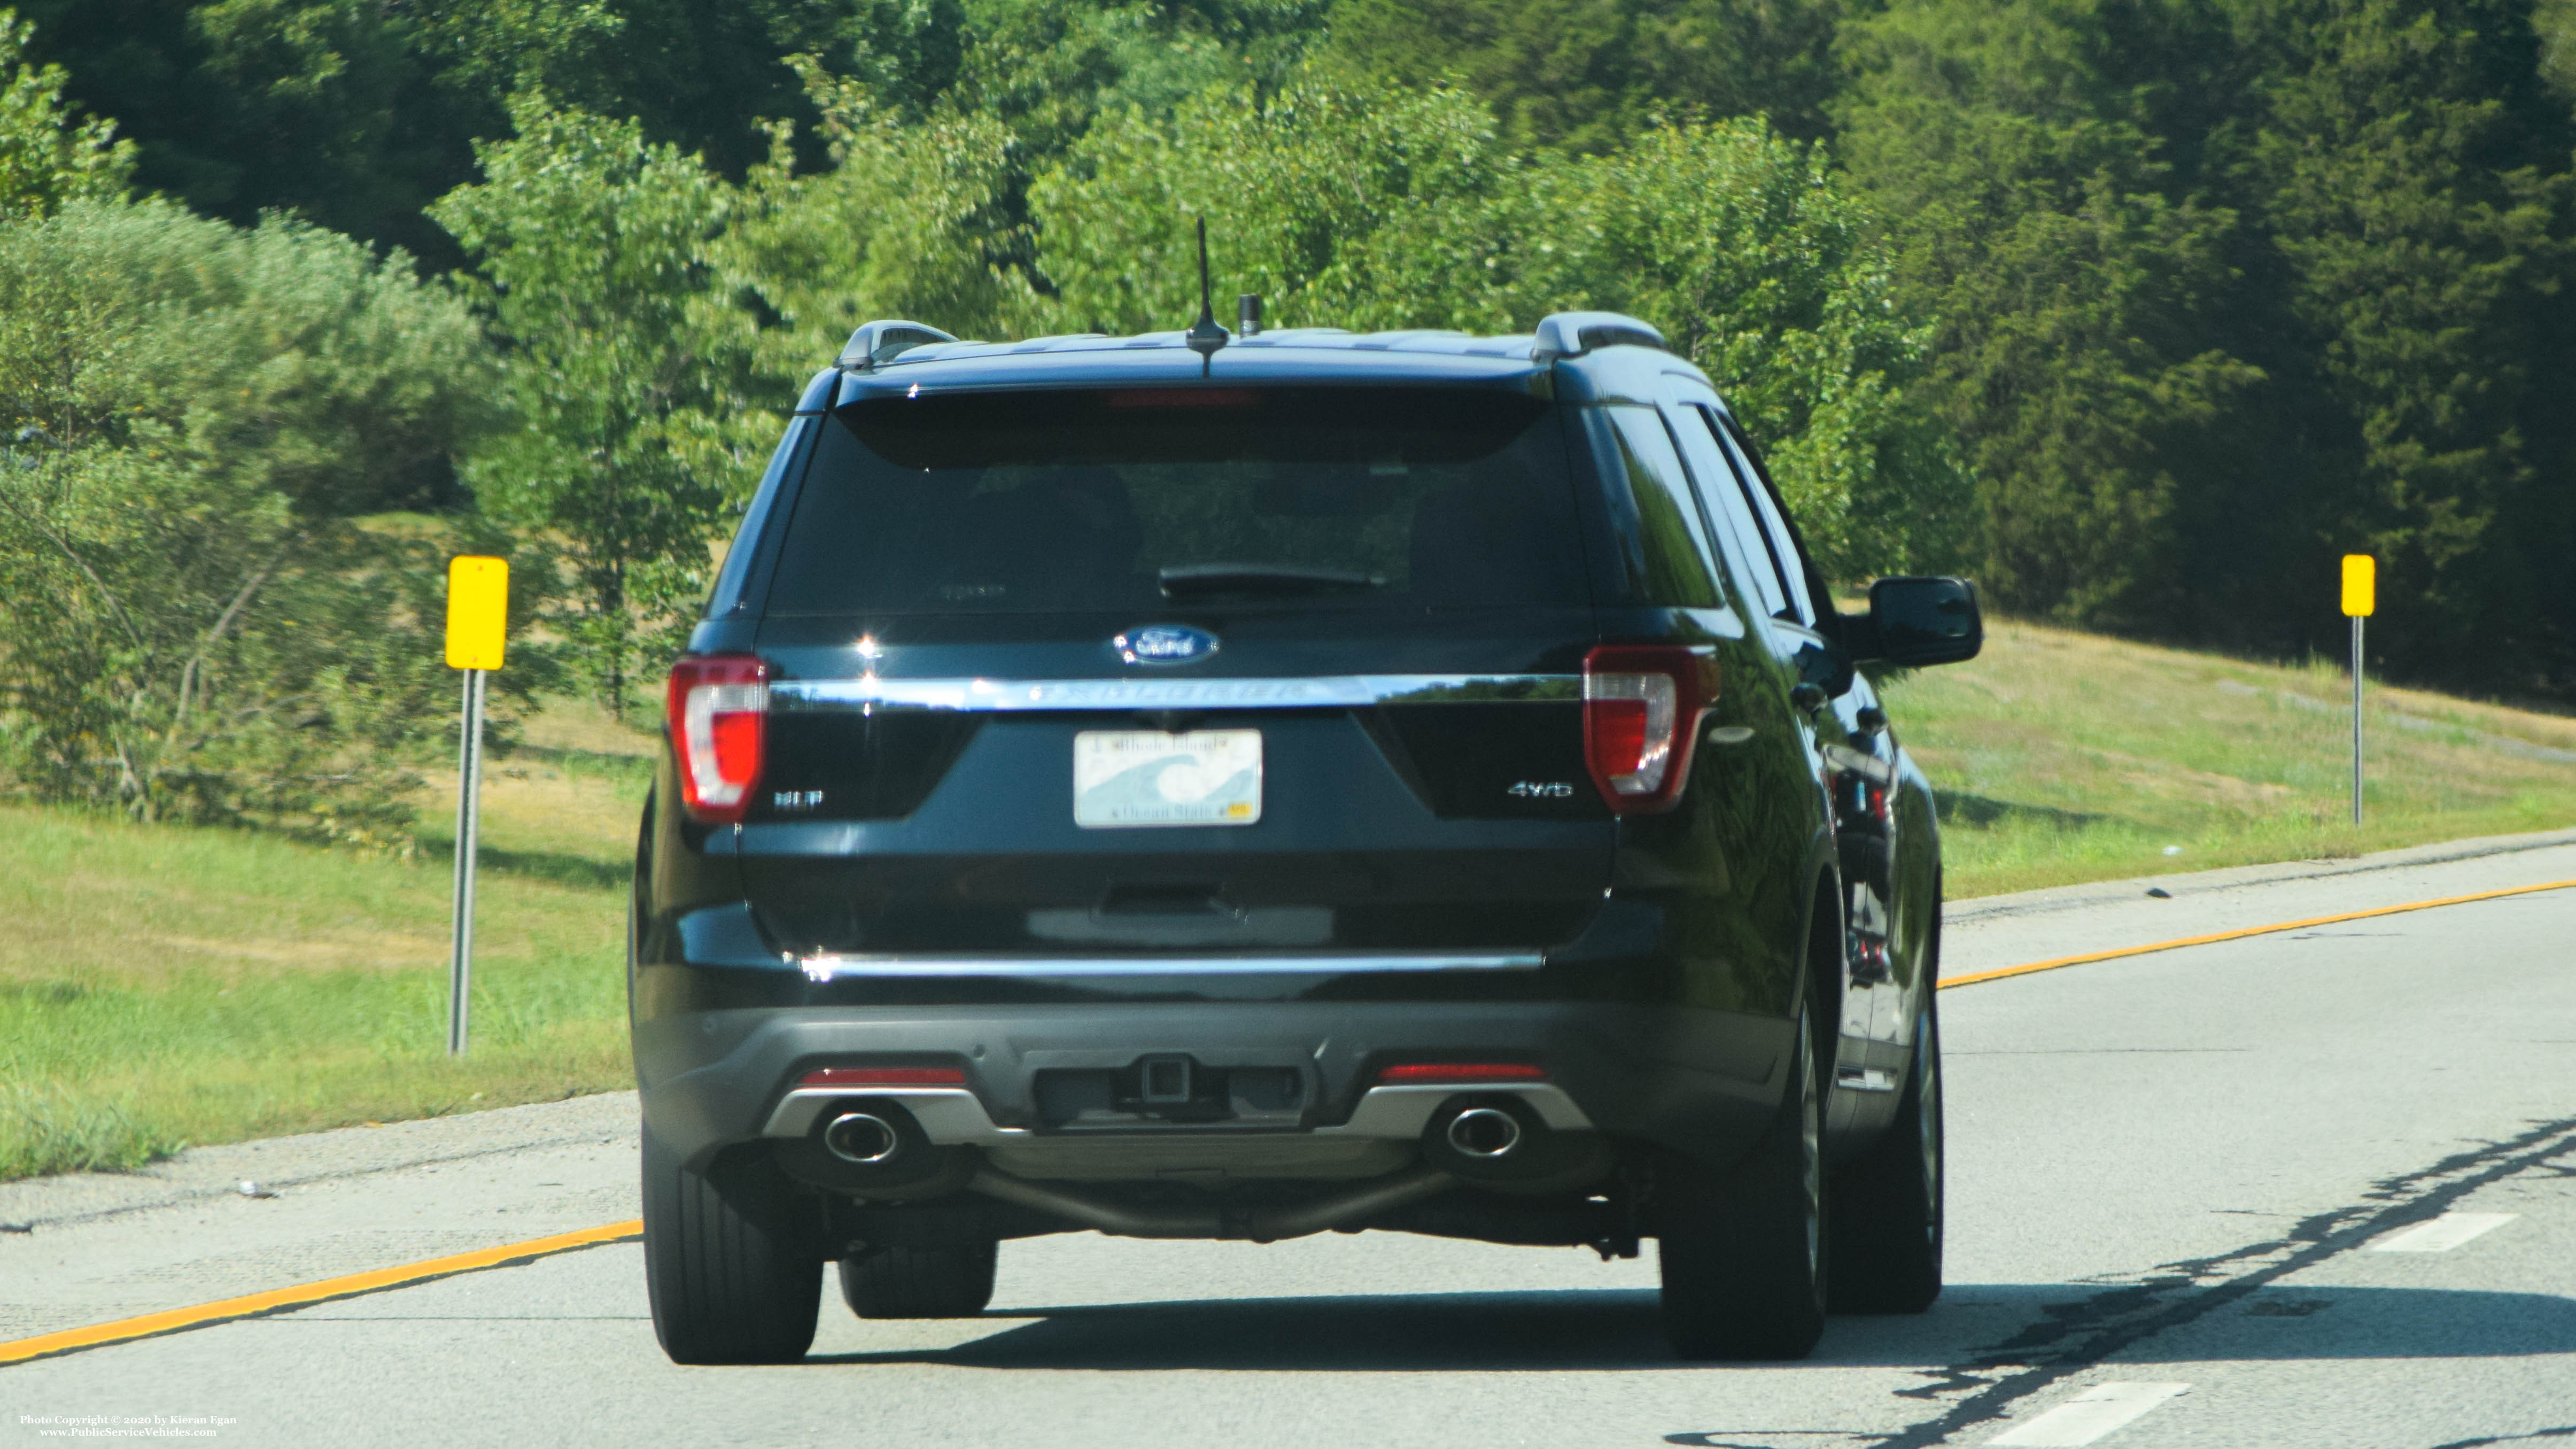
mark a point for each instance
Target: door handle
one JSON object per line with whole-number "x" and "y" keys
{"x": 1727, "y": 734}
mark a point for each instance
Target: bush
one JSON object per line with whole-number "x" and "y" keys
{"x": 207, "y": 617}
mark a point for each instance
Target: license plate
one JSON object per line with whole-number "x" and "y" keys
{"x": 1128, "y": 778}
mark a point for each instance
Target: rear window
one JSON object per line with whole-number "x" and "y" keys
{"x": 1137, "y": 498}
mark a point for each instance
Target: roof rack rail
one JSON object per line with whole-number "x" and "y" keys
{"x": 1571, "y": 334}
{"x": 878, "y": 343}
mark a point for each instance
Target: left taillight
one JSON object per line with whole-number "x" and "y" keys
{"x": 1641, "y": 710}
{"x": 719, "y": 706}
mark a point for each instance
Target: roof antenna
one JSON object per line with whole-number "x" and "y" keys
{"x": 1204, "y": 336}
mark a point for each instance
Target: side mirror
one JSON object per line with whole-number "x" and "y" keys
{"x": 1919, "y": 621}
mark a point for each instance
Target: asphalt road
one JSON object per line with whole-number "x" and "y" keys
{"x": 2178, "y": 1186}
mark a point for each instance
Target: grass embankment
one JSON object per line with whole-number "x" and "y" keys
{"x": 163, "y": 986}
{"x": 2063, "y": 757}
{"x": 166, "y": 986}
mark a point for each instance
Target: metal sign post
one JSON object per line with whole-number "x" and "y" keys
{"x": 469, "y": 777}
{"x": 478, "y": 610}
{"x": 2360, "y": 597}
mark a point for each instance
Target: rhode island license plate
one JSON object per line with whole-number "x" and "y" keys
{"x": 1127, "y": 778}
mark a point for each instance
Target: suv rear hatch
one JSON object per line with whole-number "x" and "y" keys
{"x": 1172, "y": 671}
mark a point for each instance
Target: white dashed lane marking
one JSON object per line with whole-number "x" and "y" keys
{"x": 2441, "y": 1234}
{"x": 2089, "y": 1415}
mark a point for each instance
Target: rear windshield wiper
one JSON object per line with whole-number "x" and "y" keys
{"x": 1189, "y": 581}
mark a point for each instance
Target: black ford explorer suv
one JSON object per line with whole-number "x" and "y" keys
{"x": 1306, "y": 781}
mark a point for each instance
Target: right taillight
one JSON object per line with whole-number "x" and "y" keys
{"x": 719, "y": 707}
{"x": 883, "y": 1077}
{"x": 1641, "y": 710}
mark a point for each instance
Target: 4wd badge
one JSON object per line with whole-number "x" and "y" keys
{"x": 1164, "y": 644}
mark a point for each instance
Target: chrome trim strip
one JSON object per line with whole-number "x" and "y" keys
{"x": 1403, "y": 1112}
{"x": 829, "y": 967}
{"x": 954, "y": 1116}
{"x": 1321, "y": 692}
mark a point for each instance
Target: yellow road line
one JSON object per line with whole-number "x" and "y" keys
{"x": 254, "y": 1304}
{"x": 1997, "y": 975}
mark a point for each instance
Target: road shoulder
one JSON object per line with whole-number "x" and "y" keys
{"x": 103, "y": 1246}
{"x": 1996, "y": 932}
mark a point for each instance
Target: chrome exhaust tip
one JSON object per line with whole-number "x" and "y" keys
{"x": 861, "y": 1137}
{"x": 1484, "y": 1132}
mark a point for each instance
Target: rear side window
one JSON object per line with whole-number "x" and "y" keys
{"x": 1012, "y": 502}
{"x": 1722, "y": 490}
{"x": 1776, "y": 534}
{"x": 1680, "y": 568}
{"x": 726, "y": 596}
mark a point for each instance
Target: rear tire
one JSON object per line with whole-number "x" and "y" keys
{"x": 730, "y": 1260}
{"x": 944, "y": 1282}
{"x": 1743, "y": 1253}
{"x": 1887, "y": 1206}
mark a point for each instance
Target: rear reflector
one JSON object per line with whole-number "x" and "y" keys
{"x": 1452, "y": 1072}
{"x": 883, "y": 1077}
{"x": 1641, "y": 711}
{"x": 719, "y": 704}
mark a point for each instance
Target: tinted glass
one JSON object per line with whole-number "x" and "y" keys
{"x": 726, "y": 595}
{"x": 1775, "y": 528}
{"x": 1722, "y": 494}
{"x": 1017, "y": 502}
{"x": 1680, "y": 570}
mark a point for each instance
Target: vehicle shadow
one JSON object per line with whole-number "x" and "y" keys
{"x": 1979, "y": 811}
{"x": 558, "y": 867}
{"x": 1618, "y": 1329}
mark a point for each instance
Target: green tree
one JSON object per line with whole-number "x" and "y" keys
{"x": 357, "y": 113}
{"x": 48, "y": 155}
{"x": 1356, "y": 207}
{"x": 1587, "y": 74}
{"x": 1045, "y": 68}
{"x": 207, "y": 617}
{"x": 903, "y": 221}
{"x": 240, "y": 106}
{"x": 2413, "y": 175}
{"x": 1763, "y": 267}
{"x": 1379, "y": 206}
{"x": 2077, "y": 279}
{"x": 628, "y": 375}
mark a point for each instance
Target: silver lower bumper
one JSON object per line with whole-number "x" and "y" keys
{"x": 1377, "y": 1139}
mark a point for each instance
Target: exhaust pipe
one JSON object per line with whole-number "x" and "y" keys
{"x": 1503, "y": 1145}
{"x": 862, "y": 1137}
{"x": 1485, "y": 1133}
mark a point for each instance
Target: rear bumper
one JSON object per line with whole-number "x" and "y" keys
{"x": 955, "y": 1116}
{"x": 1704, "y": 1083}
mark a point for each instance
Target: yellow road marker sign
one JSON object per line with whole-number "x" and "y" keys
{"x": 478, "y": 623}
{"x": 478, "y": 611}
{"x": 2360, "y": 585}
{"x": 2360, "y": 597}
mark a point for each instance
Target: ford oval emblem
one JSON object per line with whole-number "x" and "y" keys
{"x": 1164, "y": 644}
